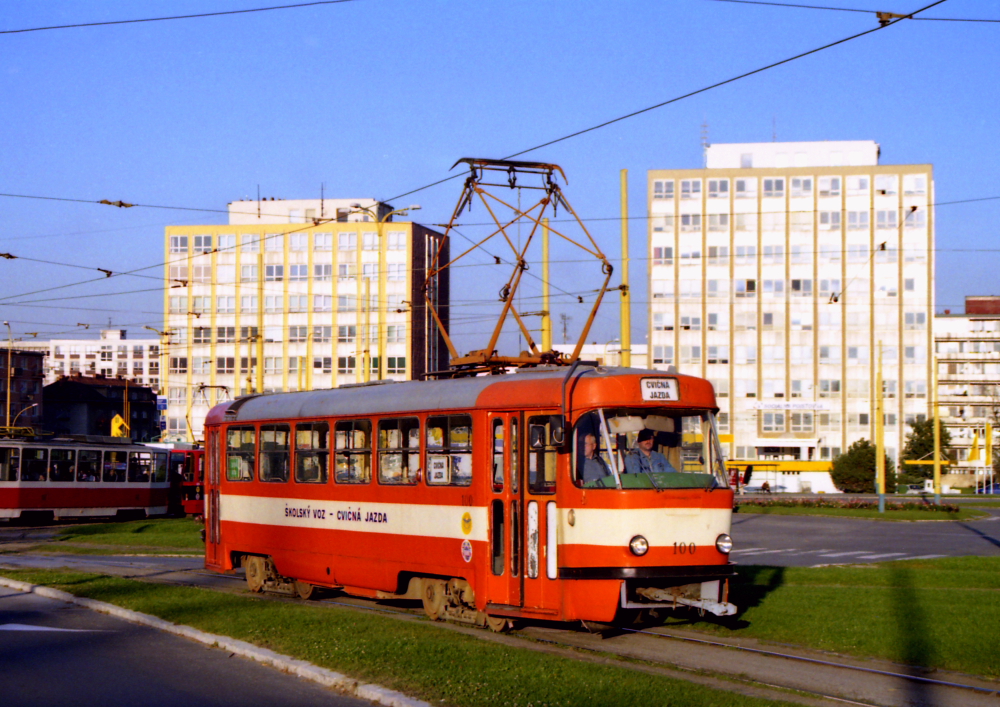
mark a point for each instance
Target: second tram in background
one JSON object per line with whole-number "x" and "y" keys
{"x": 557, "y": 493}
{"x": 46, "y": 478}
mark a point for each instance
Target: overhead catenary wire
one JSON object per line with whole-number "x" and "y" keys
{"x": 849, "y": 9}
{"x": 175, "y": 17}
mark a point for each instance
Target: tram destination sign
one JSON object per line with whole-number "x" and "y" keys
{"x": 659, "y": 388}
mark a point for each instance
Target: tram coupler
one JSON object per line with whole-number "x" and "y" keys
{"x": 703, "y": 596}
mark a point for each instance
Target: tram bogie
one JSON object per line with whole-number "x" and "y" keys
{"x": 547, "y": 495}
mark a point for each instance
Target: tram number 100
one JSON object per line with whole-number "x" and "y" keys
{"x": 683, "y": 548}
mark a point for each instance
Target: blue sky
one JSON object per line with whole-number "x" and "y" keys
{"x": 374, "y": 98}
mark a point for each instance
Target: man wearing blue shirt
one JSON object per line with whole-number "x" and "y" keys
{"x": 641, "y": 459}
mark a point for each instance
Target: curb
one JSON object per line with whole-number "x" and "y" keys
{"x": 300, "y": 668}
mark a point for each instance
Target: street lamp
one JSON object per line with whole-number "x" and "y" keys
{"x": 33, "y": 405}
{"x": 10, "y": 346}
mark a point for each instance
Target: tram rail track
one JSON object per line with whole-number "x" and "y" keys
{"x": 804, "y": 676}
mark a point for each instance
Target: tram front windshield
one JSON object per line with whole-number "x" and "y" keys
{"x": 647, "y": 448}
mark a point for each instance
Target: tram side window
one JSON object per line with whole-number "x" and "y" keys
{"x": 88, "y": 465}
{"x": 115, "y": 464}
{"x": 542, "y": 453}
{"x": 498, "y": 455}
{"x": 312, "y": 452}
{"x": 159, "y": 467}
{"x": 10, "y": 462}
{"x": 139, "y": 466}
{"x": 34, "y": 465}
{"x": 399, "y": 451}
{"x": 353, "y": 440}
{"x": 62, "y": 465}
{"x": 241, "y": 444}
{"x": 449, "y": 450}
{"x": 274, "y": 440}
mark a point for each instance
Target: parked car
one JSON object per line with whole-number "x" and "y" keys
{"x": 992, "y": 488}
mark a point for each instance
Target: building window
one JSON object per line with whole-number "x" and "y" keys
{"x": 718, "y": 255}
{"x": 690, "y": 323}
{"x": 773, "y": 254}
{"x": 663, "y": 189}
{"x": 322, "y": 273}
{"x": 274, "y": 242}
{"x": 801, "y": 288}
{"x": 248, "y": 304}
{"x": 322, "y": 334}
{"x": 690, "y": 188}
{"x": 914, "y": 184}
{"x": 774, "y": 187}
{"x": 915, "y": 320}
{"x": 718, "y": 354}
{"x": 298, "y": 241}
{"x": 663, "y": 355}
{"x": 202, "y": 244}
{"x": 829, "y": 220}
{"x": 885, "y": 219}
{"x": 395, "y": 364}
{"x": 345, "y": 303}
{"x": 772, "y": 422}
{"x": 178, "y": 305}
{"x": 718, "y": 288}
{"x": 775, "y": 221}
{"x": 857, "y": 186}
{"x": 298, "y": 303}
{"x": 202, "y": 335}
{"x": 664, "y": 222}
{"x": 802, "y": 422}
{"x": 322, "y": 303}
{"x": 773, "y": 288}
{"x": 746, "y": 255}
{"x": 178, "y": 244}
{"x": 347, "y": 334}
{"x": 395, "y": 334}
{"x": 179, "y": 273}
{"x": 322, "y": 241}
{"x": 225, "y": 364}
{"x": 396, "y": 240}
{"x": 718, "y": 188}
{"x": 718, "y": 222}
{"x": 178, "y": 364}
{"x": 298, "y": 273}
{"x": 274, "y": 304}
{"x": 298, "y": 334}
{"x": 663, "y": 255}
{"x": 746, "y": 222}
{"x": 746, "y": 188}
{"x": 274, "y": 273}
{"x": 692, "y": 254}
{"x": 829, "y": 387}
{"x": 829, "y": 186}
{"x": 690, "y": 222}
{"x": 857, "y": 220}
{"x": 916, "y": 389}
{"x": 248, "y": 273}
{"x": 396, "y": 272}
{"x": 690, "y": 354}
{"x": 829, "y": 354}
{"x": 347, "y": 241}
{"x": 802, "y": 186}
{"x": 745, "y": 288}
{"x": 346, "y": 365}
{"x": 323, "y": 364}
{"x": 250, "y": 243}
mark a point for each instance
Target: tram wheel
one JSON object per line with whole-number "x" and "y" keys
{"x": 255, "y": 572}
{"x": 433, "y": 598}
{"x": 304, "y": 590}
{"x": 499, "y": 624}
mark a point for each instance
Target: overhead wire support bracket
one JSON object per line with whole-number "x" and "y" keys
{"x": 120, "y": 204}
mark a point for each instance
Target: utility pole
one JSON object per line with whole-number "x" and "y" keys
{"x": 626, "y": 305}
{"x": 564, "y": 318}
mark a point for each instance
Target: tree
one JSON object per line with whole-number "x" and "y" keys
{"x": 920, "y": 445}
{"x": 854, "y": 470}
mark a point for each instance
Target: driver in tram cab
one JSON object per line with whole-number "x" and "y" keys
{"x": 641, "y": 459}
{"x": 593, "y": 467}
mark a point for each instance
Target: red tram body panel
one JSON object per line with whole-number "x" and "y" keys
{"x": 489, "y": 498}
{"x": 75, "y": 477}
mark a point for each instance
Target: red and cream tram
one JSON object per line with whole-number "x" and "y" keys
{"x": 187, "y": 467}
{"x": 489, "y": 498}
{"x": 80, "y": 476}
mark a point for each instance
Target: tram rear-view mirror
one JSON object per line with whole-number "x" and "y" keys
{"x": 558, "y": 430}
{"x": 537, "y": 436}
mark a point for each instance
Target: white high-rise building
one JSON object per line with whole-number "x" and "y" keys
{"x": 779, "y": 272}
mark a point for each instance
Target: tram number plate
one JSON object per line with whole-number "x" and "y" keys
{"x": 684, "y": 548}
{"x": 659, "y": 388}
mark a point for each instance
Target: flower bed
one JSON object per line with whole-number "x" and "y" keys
{"x": 853, "y": 503}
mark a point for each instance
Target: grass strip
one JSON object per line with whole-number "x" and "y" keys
{"x": 119, "y": 551}
{"x": 871, "y": 514}
{"x": 932, "y": 613}
{"x": 165, "y": 533}
{"x": 416, "y": 658}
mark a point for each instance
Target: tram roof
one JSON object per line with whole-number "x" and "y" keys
{"x": 398, "y": 397}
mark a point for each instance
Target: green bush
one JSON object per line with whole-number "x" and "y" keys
{"x": 854, "y": 470}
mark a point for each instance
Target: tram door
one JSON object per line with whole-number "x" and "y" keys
{"x": 506, "y": 511}
{"x": 211, "y": 515}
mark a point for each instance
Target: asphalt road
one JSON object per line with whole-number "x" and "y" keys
{"x": 801, "y": 541}
{"x": 56, "y": 654}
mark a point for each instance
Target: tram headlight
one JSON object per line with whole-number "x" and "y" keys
{"x": 724, "y": 544}
{"x": 638, "y": 545}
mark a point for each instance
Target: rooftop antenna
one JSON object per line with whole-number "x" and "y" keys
{"x": 704, "y": 143}
{"x": 258, "y": 202}
{"x": 322, "y": 188}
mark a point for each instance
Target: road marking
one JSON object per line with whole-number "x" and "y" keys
{"x": 924, "y": 557}
{"x": 26, "y": 627}
{"x": 879, "y": 557}
{"x": 844, "y": 554}
{"x": 764, "y": 552}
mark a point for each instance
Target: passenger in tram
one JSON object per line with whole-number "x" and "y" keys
{"x": 594, "y": 468}
{"x": 641, "y": 459}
